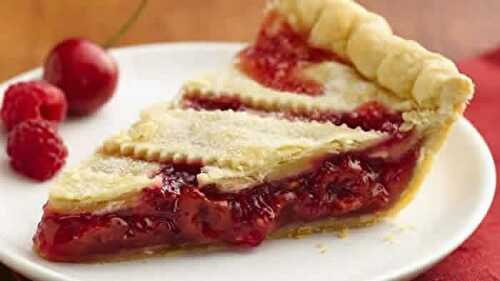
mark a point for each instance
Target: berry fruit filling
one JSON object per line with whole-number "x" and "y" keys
{"x": 368, "y": 116}
{"x": 278, "y": 57}
{"x": 180, "y": 212}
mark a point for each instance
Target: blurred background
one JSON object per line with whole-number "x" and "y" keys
{"x": 29, "y": 28}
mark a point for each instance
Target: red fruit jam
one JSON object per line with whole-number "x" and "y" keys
{"x": 369, "y": 116}
{"x": 278, "y": 57}
{"x": 179, "y": 212}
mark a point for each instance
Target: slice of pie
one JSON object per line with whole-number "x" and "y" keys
{"x": 327, "y": 121}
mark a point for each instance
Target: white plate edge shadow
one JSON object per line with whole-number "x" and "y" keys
{"x": 36, "y": 271}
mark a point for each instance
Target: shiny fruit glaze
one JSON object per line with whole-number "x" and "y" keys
{"x": 369, "y": 116}
{"x": 179, "y": 212}
{"x": 278, "y": 57}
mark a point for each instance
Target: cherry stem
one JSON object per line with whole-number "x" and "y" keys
{"x": 126, "y": 26}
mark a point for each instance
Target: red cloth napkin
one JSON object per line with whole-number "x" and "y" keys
{"x": 478, "y": 259}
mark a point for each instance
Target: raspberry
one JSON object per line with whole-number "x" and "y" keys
{"x": 32, "y": 100}
{"x": 35, "y": 149}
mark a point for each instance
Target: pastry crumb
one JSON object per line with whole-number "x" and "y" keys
{"x": 301, "y": 232}
{"x": 322, "y": 248}
{"x": 406, "y": 227}
{"x": 390, "y": 238}
{"x": 397, "y": 229}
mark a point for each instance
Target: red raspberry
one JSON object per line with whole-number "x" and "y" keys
{"x": 35, "y": 149}
{"x": 33, "y": 100}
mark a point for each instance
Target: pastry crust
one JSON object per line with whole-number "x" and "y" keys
{"x": 365, "y": 39}
{"x": 102, "y": 183}
{"x": 344, "y": 90}
{"x": 236, "y": 140}
{"x": 396, "y": 72}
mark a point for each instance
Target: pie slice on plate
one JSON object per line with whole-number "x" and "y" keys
{"x": 327, "y": 121}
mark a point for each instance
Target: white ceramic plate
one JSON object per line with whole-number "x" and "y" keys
{"x": 451, "y": 204}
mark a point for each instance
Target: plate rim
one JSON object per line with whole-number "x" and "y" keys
{"x": 32, "y": 269}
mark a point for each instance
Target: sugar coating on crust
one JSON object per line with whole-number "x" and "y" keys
{"x": 344, "y": 90}
{"x": 101, "y": 178}
{"x": 236, "y": 150}
{"x": 398, "y": 73}
{"x": 236, "y": 140}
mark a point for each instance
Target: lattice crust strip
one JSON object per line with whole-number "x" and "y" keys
{"x": 102, "y": 178}
{"x": 235, "y": 140}
{"x": 344, "y": 90}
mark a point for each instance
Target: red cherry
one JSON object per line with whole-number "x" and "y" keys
{"x": 84, "y": 71}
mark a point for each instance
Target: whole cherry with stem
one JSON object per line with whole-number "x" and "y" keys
{"x": 85, "y": 71}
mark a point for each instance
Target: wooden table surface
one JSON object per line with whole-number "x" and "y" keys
{"x": 29, "y": 28}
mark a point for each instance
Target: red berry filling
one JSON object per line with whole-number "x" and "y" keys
{"x": 32, "y": 100}
{"x": 369, "y": 116}
{"x": 278, "y": 57}
{"x": 179, "y": 212}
